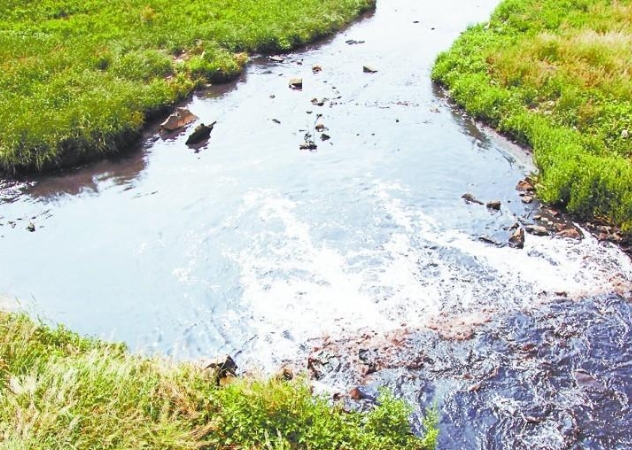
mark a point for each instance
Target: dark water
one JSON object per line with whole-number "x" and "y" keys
{"x": 251, "y": 246}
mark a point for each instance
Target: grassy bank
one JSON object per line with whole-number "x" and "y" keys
{"x": 555, "y": 74}
{"x": 59, "y": 390}
{"x": 80, "y": 78}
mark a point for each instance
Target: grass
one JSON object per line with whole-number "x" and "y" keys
{"x": 80, "y": 78}
{"x": 556, "y": 75}
{"x": 59, "y": 390}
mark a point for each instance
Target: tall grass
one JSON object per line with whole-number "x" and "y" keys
{"x": 555, "y": 74}
{"x": 61, "y": 391}
{"x": 79, "y": 78}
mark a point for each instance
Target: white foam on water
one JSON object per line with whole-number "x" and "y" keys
{"x": 296, "y": 288}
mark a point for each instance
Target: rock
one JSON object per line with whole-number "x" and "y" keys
{"x": 489, "y": 240}
{"x": 527, "y": 199}
{"x": 277, "y": 58}
{"x": 224, "y": 365}
{"x": 320, "y": 127}
{"x": 324, "y": 137}
{"x": 296, "y": 83}
{"x": 516, "y": 240}
{"x": 316, "y": 68}
{"x": 368, "y": 69}
{"x": 277, "y": 121}
{"x": 537, "y": 230}
{"x": 179, "y": 119}
{"x": 356, "y": 394}
{"x": 494, "y": 204}
{"x": 30, "y": 227}
{"x": 317, "y": 102}
{"x": 587, "y": 381}
{"x": 525, "y": 185}
{"x": 201, "y": 133}
{"x": 469, "y": 198}
{"x": 308, "y": 145}
{"x": 286, "y": 373}
{"x": 570, "y": 233}
{"x": 625, "y": 134}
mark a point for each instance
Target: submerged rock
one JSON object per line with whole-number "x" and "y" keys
{"x": 201, "y": 133}
{"x": 469, "y": 198}
{"x": 179, "y": 119}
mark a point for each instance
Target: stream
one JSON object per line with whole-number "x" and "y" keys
{"x": 360, "y": 256}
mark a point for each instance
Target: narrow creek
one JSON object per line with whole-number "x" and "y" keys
{"x": 361, "y": 256}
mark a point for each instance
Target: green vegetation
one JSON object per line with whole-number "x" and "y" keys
{"x": 555, "y": 74}
{"x": 62, "y": 391}
{"x": 79, "y": 78}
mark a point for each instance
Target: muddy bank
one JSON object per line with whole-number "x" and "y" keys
{"x": 558, "y": 377}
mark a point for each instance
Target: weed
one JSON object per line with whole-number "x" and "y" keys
{"x": 60, "y": 390}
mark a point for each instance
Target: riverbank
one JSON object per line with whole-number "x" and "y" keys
{"x": 81, "y": 80}
{"x": 553, "y": 75}
{"x": 60, "y": 390}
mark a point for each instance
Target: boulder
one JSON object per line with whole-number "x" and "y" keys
{"x": 178, "y": 119}
{"x": 525, "y": 185}
{"x": 368, "y": 69}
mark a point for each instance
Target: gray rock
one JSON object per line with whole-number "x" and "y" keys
{"x": 368, "y": 69}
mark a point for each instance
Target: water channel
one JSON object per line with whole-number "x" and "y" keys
{"x": 252, "y": 247}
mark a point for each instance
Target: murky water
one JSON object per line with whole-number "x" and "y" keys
{"x": 253, "y": 247}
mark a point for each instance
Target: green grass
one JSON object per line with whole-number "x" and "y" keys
{"x": 555, "y": 75}
{"x": 59, "y": 390}
{"x": 79, "y": 78}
